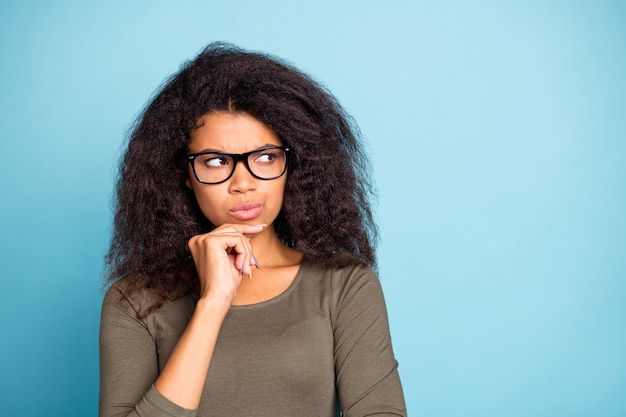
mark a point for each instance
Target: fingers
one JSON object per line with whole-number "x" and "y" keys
{"x": 244, "y": 258}
{"x": 255, "y": 262}
{"x": 227, "y": 242}
{"x": 249, "y": 231}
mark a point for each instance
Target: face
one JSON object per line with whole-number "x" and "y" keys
{"x": 242, "y": 199}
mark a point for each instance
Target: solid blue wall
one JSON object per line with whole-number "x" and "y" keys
{"x": 498, "y": 135}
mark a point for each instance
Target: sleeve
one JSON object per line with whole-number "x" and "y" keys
{"x": 366, "y": 370}
{"x": 129, "y": 364}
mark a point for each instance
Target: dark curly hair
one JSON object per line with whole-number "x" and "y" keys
{"x": 328, "y": 192}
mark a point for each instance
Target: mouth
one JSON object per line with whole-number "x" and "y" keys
{"x": 246, "y": 211}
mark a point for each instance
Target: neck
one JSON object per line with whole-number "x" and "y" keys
{"x": 270, "y": 251}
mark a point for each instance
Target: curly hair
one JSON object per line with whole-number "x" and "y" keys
{"x": 328, "y": 192}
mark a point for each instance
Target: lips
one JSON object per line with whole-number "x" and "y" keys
{"x": 246, "y": 211}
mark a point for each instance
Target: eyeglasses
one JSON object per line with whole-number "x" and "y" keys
{"x": 216, "y": 167}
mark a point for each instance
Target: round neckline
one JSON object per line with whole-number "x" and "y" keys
{"x": 278, "y": 297}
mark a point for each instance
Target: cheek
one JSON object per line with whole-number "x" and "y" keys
{"x": 208, "y": 204}
{"x": 279, "y": 193}
{"x": 279, "y": 187}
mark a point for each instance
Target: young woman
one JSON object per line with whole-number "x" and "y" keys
{"x": 241, "y": 255}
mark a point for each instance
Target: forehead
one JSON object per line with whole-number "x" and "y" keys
{"x": 232, "y": 133}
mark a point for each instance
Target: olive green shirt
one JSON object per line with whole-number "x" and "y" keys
{"x": 320, "y": 348}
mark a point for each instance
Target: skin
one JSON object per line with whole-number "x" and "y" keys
{"x": 227, "y": 254}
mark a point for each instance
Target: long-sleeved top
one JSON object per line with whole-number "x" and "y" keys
{"x": 320, "y": 348}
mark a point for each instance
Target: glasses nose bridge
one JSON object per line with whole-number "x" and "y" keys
{"x": 242, "y": 157}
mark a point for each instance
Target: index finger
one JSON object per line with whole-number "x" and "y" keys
{"x": 249, "y": 230}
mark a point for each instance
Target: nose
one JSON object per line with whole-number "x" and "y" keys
{"x": 241, "y": 180}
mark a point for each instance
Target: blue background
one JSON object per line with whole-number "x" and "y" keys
{"x": 498, "y": 135}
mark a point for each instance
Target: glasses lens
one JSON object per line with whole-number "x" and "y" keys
{"x": 213, "y": 167}
{"x": 268, "y": 163}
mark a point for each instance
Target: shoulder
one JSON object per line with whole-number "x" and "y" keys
{"x": 124, "y": 294}
{"x": 353, "y": 292}
{"x": 338, "y": 265}
{"x": 346, "y": 268}
{"x": 344, "y": 276}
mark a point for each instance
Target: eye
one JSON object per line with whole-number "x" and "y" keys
{"x": 266, "y": 157}
{"x": 214, "y": 161}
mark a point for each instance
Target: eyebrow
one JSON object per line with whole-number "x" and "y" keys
{"x": 260, "y": 148}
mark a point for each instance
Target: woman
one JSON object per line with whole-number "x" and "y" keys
{"x": 241, "y": 253}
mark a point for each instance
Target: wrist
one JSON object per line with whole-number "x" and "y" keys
{"x": 212, "y": 305}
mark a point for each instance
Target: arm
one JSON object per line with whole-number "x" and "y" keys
{"x": 366, "y": 370}
{"x": 128, "y": 358}
{"x": 128, "y": 364}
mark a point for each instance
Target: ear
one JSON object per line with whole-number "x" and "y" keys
{"x": 188, "y": 182}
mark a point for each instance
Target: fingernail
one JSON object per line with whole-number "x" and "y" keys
{"x": 256, "y": 263}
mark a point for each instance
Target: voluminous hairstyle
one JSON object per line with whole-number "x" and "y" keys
{"x": 328, "y": 191}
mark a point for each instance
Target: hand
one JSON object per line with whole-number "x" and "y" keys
{"x": 221, "y": 257}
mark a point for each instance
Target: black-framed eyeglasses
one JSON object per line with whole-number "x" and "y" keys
{"x": 216, "y": 167}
